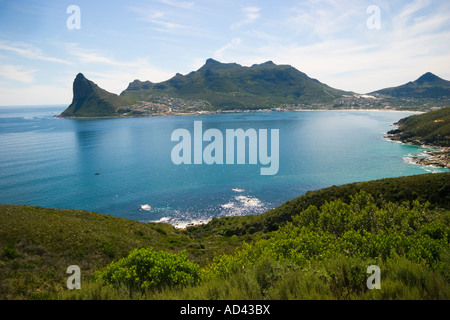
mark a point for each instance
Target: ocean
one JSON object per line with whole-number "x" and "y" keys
{"x": 123, "y": 167}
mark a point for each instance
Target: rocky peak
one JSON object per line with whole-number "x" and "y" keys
{"x": 82, "y": 87}
{"x": 428, "y": 77}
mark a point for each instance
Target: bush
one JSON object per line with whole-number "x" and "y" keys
{"x": 146, "y": 269}
{"x": 323, "y": 253}
{"x": 9, "y": 252}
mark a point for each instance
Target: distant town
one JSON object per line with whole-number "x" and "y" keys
{"x": 169, "y": 106}
{"x": 164, "y": 106}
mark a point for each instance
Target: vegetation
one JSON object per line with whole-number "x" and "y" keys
{"x": 317, "y": 246}
{"x": 324, "y": 254}
{"x": 145, "y": 269}
{"x": 427, "y": 86}
{"x": 434, "y": 189}
{"x": 38, "y": 244}
{"x": 231, "y": 86}
{"x": 431, "y": 128}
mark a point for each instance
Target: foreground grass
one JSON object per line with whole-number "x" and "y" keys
{"x": 285, "y": 253}
{"x": 323, "y": 253}
{"x": 338, "y": 278}
{"x": 38, "y": 244}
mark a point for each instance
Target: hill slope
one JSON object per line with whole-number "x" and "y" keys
{"x": 427, "y": 86}
{"x": 434, "y": 188}
{"x": 38, "y": 244}
{"x": 431, "y": 128}
{"x": 230, "y": 86}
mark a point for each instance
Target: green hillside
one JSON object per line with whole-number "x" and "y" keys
{"x": 432, "y": 188}
{"x": 231, "y": 86}
{"x": 431, "y": 128}
{"x": 427, "y": 86}
{"x": 38, "y": 244}
{"x": 322, "y": 253}
{"x": 218, "y": 87}
{"x": 326, "y": 252}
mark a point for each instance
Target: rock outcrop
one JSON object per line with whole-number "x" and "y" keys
{"x": 89, "y": 100}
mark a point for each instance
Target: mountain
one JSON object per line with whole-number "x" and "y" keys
{"x": 428, "y": 86}
{"x": 217, "y": 87}
{"x": 89, "y": 100}
{"x": 231, "y": 86}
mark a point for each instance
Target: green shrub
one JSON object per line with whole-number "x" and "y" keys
{"x": 147, "y": 269}
{"x": 344, "y": 236}
{"x": 323, "y": 253}
{"x": 403, "y": 279}
{"x": 9, "y": 252}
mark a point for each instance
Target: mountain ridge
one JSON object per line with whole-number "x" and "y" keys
{"x": 426, "y": 86}
{"x": 225, "y": 87}
{"x": 231, "y": 86}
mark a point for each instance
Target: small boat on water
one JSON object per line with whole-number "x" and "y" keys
{"x": 146, "y": 207}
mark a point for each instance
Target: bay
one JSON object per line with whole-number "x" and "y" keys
{"x": 123, "y": 167}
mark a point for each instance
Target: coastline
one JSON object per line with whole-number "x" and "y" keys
{"x": 365, "y": 110}
{"x": 199, "y": 113}
{"x": 439, "y": 158}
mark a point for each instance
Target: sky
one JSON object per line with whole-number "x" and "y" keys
{"x": 358, "y": 46}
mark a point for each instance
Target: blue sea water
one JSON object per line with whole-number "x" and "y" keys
{"x": 51, "y": 162}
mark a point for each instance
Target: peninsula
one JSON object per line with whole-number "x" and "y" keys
{"x": 429, "y": 129}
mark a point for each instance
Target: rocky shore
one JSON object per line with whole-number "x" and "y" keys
{"x": 439, "y": 158}
{"x": 429, "y": 130}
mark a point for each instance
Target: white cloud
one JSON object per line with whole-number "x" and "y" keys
{"x": 160, "y": 19}
{"x": 413, "y": 7}
{"x": 36, "y": 95}
{"x": 91, "y": 56}
{"x": 220, "y": 53}
{"x": 318, "y": 20}
{"x": 107, "y": 71}
{"x": 431, "y": 23}
{"x": 329, "y": 41}
{"x": 348, "y": 65}
{"x": 196, "y": 64}
{"x": 116, "y": 80}
{"x": 114, "y": 75}
{"x": 164, "y": 20}
{"x": 17, "y": 73}
{"x": 251, "y": 15}
{"x": 178, "y": 4}
{"x": 29, "y": 51}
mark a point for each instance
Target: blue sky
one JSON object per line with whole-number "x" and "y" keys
{"x": 333, "y": 41}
